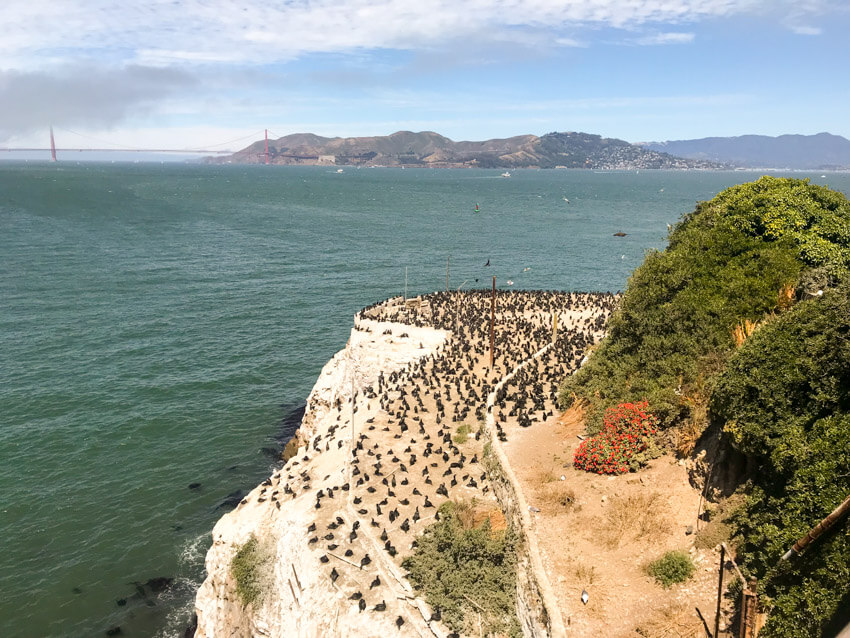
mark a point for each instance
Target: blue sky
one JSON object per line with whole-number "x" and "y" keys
{"x": 215, "y": 73}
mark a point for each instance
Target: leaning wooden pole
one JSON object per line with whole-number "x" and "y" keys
{"x": 493, "y": 324}
{"x": 818, "y": 529}
{"x": 719, "y": 590}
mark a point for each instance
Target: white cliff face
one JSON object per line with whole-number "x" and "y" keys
{"x": 300, "y": 599}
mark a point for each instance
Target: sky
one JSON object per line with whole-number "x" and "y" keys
{"x": 213, "y": 74}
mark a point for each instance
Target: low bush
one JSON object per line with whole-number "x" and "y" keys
{"x": 461, "y": 434}
{"x": 467, "y": 574}
{"x": 249, "y": 568}
{"x": 623, "y": 443}
{"x": 673, "y": 567}
{"x": 632, "y": 518}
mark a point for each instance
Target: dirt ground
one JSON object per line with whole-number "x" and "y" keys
{"x": 597, "y": 534}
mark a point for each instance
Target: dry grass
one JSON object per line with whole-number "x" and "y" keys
{"x": 786, "y": 297}
{"x": 465, "y": 512}
{"x": 743, "y": 330}
{"x": 573, "y": 415}
{"x": 556, "y": 496}
{"x": 550, "y": 492}
{"x": 497, "y": 520}
{"x": 685, "y": 437}
{"x": 677, "y": 620}
{"x": 584, "y": 574}
{"x": 633, "y": 518}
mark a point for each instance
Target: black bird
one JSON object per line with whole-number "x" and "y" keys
{"x": 375, "y": 583}
{"x": 355, "y": 596}
{"x": 381, "y": 606}
{"x": 324, "y": 559}
{"x": 334, "y": 574}
{"x": 365, "y": 561}
{"x": 399, "y": 622}
{"x": 361, "y": 605}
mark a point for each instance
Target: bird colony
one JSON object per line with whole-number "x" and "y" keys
{"x": 379, "y": 457}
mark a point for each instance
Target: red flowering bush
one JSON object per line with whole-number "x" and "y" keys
{"x": 626, "y": 436}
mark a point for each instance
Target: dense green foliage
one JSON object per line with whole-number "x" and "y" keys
{"x": 726, "y": 262}
{"x": 785, "y": 401}
{"x": 673, "y": 567}
{"x": 464, "y": 571}
{"x": 247, "y": 568}
{"x": 782, "y": 398}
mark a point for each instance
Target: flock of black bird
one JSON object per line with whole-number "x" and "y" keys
{"x": 405, "y": 458}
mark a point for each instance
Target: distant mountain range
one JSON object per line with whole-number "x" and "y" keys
{"x": 405, "y": 148}
{"x": 818, "y": 152}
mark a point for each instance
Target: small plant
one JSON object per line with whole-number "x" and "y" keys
{"x": 627, "y": 434}
{"x": 673, "y": 567}
{"x": 249, "y": 569}
{"x": 584, "y": 574}
{"x": 462, "y": 434}
{"x": 467, "y": 573}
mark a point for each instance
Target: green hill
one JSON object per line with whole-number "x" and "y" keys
{"x": 768, "y": 260}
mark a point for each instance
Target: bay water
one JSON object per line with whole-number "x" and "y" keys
{"x": 161, "y": 326}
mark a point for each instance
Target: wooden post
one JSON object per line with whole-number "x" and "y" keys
{"x": 719, "y": 591}
{"x": 554, "y": 327}
{"x": 448, "y": 259}
{"x": 493, "y": 324}
{"x": 405, "y": 283}
{"x": 749, "y": 605}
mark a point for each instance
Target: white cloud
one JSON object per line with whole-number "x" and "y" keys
{"x": 666, "y": 38}
{"x": 164, "y": 32}
{"x": 801, "y": 29}
{"x": 569, "y": 42}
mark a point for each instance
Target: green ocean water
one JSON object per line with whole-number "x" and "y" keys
{"x": 159, "y": 323}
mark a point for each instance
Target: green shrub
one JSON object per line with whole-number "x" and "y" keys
{"x": 785, "y": 402}
{"x": 726, "y": 262}
{"x": 673, "y": 567}
{"x": 250, "y": 568}
{"x": 461, "y": 434}
{"x": 467, "y": 572}
{"x": 625, "y": 442}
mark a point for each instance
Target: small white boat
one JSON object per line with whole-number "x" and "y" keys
{"x": 510, "y": 283}
{"x": 339, "y": 170}
{"x": 506, "y": 174}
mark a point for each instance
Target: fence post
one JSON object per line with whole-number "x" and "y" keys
{"x": 749, "y": 610}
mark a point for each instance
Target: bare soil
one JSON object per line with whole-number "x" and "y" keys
{"x": 598, "y": 533}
